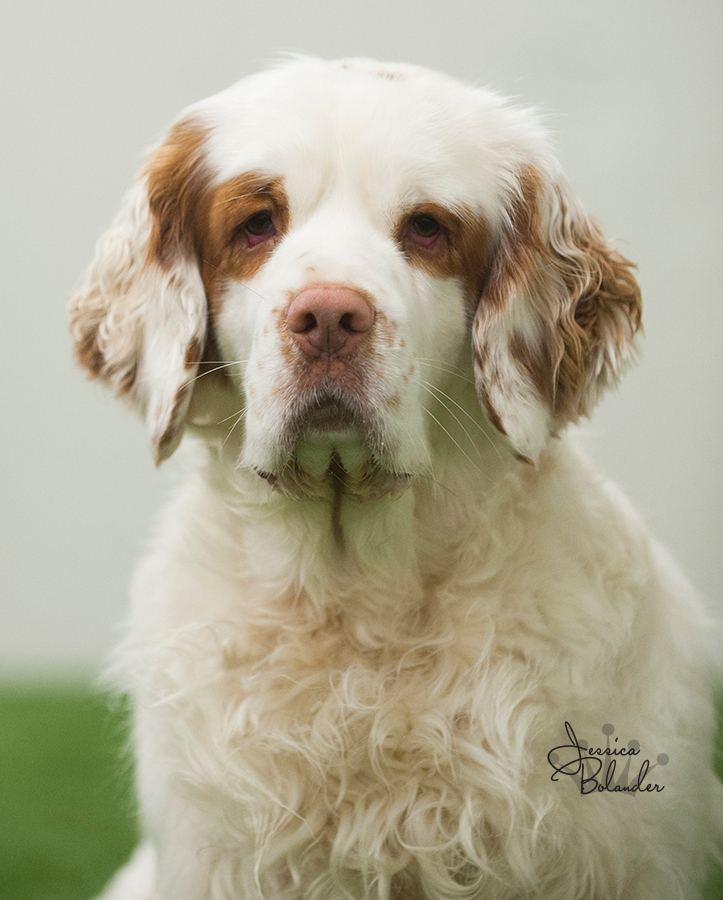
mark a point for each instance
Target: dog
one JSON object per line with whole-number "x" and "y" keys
{"x": 396, "y": 638}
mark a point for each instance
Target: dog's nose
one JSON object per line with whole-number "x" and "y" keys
{"x": 329, "y": 320}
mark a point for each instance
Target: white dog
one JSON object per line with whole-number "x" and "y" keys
{"x": 395, "y": 639}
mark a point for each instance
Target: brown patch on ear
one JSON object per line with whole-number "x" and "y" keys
{"x": 603, "y": 313}
{"x": 483, "y": 364}
{"x": 120, "y": 373}
{"x": 104, "y": 315}
{"x": 107, "y": 313}
{"x": 176, "y": 181}
{"x": 581, "y": 290}
{"x": 164, "y": 444}
{"x": 514, "y": 263}
{"x": 210, "y": 362}
{"x": 537, "y": 365}
{"x": 87, "y": 352}
{"x": 194, "y": 351}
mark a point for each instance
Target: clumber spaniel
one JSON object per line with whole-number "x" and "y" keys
{"x": 395, "y": 637}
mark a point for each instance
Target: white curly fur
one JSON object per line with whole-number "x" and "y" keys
{"x": 374, "y": 721}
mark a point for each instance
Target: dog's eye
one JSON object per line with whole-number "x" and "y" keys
{"x": 424, "y": 230}
{"x": 257, "y": 228}
{"x": 425, "y": 226}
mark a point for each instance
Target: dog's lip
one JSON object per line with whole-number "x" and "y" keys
{"x": 329, "y": 414}
{"x": 373, "y": 486}
{"x": 327, "y": 425}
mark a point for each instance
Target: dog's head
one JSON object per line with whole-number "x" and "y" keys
{"x": 353, "y": 241}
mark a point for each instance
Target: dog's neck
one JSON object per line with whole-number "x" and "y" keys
{"x": 376, "y": 562}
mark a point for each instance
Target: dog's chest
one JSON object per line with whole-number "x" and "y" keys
{"x": 318, "y": 730}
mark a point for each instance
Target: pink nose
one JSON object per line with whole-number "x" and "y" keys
{"x": 329, "y": 320}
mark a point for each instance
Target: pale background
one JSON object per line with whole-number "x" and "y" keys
{"x": 635, "y": 92}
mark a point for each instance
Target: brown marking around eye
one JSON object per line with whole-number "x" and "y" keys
{"x": 462, "y": 249}
{"x": 192, "y": 219}
{"x": 223, "y": 210}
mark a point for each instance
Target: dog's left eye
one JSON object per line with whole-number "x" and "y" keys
{"x": 424, "y": 230}
{"x": 258, "y": 228}
{"x": 425, "y": 226}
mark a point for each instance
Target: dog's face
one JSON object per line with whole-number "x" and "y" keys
{"x": 346, "y": 236}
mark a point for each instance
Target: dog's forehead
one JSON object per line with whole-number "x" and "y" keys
{"x": 399, "y": 132}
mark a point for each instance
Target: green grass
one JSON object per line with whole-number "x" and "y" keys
{"x": 66, "y": 818}
{"x": 66, "y": 815}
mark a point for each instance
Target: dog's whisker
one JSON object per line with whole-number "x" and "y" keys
{"x": 246, "y": 286}
{"x": 449, "y": 369}
{"x": 233, "y": 415}
{"x": 434, "y": 393}
{"x": 457, "y": 445}
{"x": 225, "y": 365}
{"x": 251, "y": 290}
{"x": 474, "y": 421}
{"x": 238, "y": 420}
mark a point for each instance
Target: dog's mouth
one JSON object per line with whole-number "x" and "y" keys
{"x": 327, "y": 414}
{"x": 333, "y": 444}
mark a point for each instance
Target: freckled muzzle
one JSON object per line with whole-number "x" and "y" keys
{"x": 334, "y": 435}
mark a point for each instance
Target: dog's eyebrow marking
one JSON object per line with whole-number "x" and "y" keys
{"x": 177, "y": 178}
{"x": 238, "y": 197}
{"x": 263, "y": 188}
{"x": 226, "y": 206}
{"x": 463, "y": 251}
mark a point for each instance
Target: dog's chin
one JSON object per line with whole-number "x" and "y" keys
{"x": 332, "y": 450}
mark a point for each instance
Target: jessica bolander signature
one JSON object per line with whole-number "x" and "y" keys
{"x": 594, "y": 768}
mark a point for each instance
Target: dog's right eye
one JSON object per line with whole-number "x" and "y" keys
{"x": 424, "y": 230}
{"x": 256, "y": 229}
{"x": 425, "y": 226}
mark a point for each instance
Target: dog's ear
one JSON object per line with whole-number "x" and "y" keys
{"x": 139, "y": 319}
{"x": 558, "y": 316}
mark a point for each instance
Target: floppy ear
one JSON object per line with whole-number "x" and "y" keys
{"x": 557, "y": 319}
{"x": 139, "y": 319}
